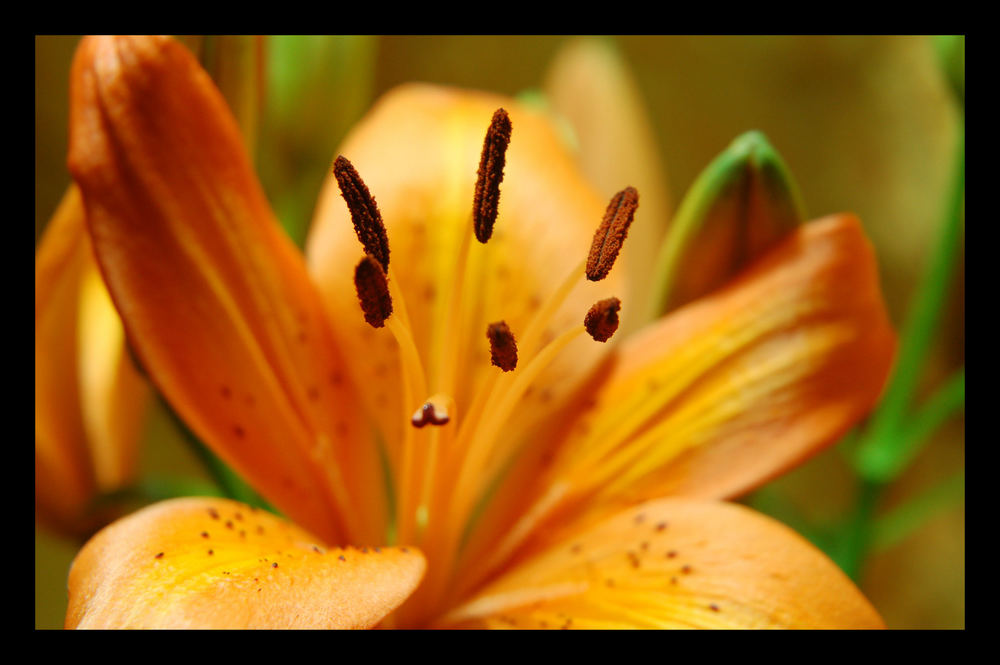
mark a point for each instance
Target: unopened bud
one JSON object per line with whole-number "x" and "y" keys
{"x": 740, "y": 206}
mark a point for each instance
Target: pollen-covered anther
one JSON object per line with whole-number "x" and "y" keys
{"x": 503, "y": 346}
{"x": 434, "y": 411}
{"x": 611, "y": 233}
{"x": 601, "y": 321}
{"x": 486, "y": 202}
{"x": 364, "y": 212}
{"x": 373, "y": 291}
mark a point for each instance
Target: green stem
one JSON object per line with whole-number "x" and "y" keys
{"x": 853, "y": 546}
{"x": 946, "y": 401}
{"x": 883, "y": 451}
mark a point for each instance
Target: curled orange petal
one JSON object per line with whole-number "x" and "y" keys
{"x": 214, "y": 563}
{"x": 213, "y": 295}
{"x": 673, "y": 563}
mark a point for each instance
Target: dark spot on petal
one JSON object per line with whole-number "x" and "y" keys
{"x": 159, "y": 556}
{"x": 713, "y": 607}
{"x": 274, "y": 565}
{"x": 661, "y": 526}
{"x": 686, "y": 569}
{"x": 239, "y": 431}
{"x": 226, "y": 392}
{"x": 204, "y": 534}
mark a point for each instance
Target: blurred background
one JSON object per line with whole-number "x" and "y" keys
{"x": 868, "y": 125}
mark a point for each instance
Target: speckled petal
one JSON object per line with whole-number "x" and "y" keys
{"x": 214, "y": 563}
{"x": 673, "y": 563}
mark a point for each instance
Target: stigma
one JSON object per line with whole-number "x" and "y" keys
{"x": 435, "y": 411}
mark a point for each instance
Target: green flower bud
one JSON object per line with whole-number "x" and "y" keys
{"x": 737, "y": 209}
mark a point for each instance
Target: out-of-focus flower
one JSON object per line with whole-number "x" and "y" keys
{"x": 90, "y": 401}
{"x": 535, "y": 495}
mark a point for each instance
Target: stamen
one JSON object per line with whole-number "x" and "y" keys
{"x": 611, "y": 233}
{"x": 433, "y": 412}
{"x": 503, "y": 346}
{"x": 373, "y": 291}
{"x": 364, "y": 212}
{"x": 487, "y": 198}
{"x": 601, "y": 321}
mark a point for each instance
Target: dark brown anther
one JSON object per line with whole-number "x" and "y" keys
{"x": 503, "y": 347}
{"x": 611, "y": 233}
{"x": 364, "y": 213}
{"x": 487, "y": 197}
{"x": 373, "y": 291}
{"x": 601, "y": 321}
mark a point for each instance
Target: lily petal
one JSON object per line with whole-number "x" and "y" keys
{"x": 113, "y": 395}
{"x": 673, "y": 563}
{"x": 734, "y": 389}
{"x": 215, "y": 299}
{"x": 214, "y": 563}
{"x": 64, "y": 480}
{"x": 90, "y": 401}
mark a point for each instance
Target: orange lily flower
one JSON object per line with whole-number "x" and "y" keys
{"x": 89, "y": 399}
{"x": 581, "y": 488}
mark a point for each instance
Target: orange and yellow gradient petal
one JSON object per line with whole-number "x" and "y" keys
{"x": 215, "y": 563}
{"x": 216, "y": 300}
{"x": 672, "y": 563}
